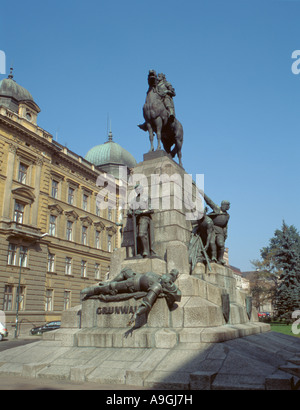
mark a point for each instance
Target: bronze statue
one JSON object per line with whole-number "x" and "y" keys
{"x": 129, "y": 284}
{"x": 220, "y": 218}
{"x": 159, "y": 115}
{"x": 207, "y": 242}
{"x": 202, "y": 243}
{"x": 143, "y": 229}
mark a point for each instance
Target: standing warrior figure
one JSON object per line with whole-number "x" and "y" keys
{"x": 220, "y": 218}
{"x": 202, "y": 242}
{"x": 143, "y": 230}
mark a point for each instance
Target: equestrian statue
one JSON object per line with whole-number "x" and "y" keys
{"x": 159, "y": 115}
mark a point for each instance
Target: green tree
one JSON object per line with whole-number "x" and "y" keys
{"x": 288, "y": 261}
{"x": 280, "y": 265}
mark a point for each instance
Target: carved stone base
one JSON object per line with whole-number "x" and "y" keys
{"x": 198, "y": 317}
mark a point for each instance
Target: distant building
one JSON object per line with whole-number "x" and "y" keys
{"x": 241, "y": 282}
{"x": 262, "y": 290}
{"x": 54, "y": 239}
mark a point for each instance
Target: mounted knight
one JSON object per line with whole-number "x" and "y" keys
{"x": 159, "y": 114}
{"x": 166, "y": 92}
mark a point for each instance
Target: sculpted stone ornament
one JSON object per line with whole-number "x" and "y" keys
{"x": 159, "y": 115}
{"x": 129, "y": 284}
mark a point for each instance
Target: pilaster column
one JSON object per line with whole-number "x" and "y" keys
{"x": 9, "y": 179}
{"x": 37, "y": 186}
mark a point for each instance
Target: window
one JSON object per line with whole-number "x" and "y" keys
{"x": 68, "y": 267}
{"x": 97, "y": 270}
{"x": 17, "y": 256}
{"x": 52, "y": 225}
{"x": 84, "y": 235}
{"x": 19, "y": 212}
{"x": 109, "y": 245}
{"x": 20, "y": 298}
{"x": 69, "y": 230}
{"x": 22, "y": 176}
{"x": 12, "y": 254}
{"x": 54, "y": 189}
{"x": 51, "y": 259}
{"x": 97, "y": 240}
{"x": 110, "y": 214}
{"x": 67, "y": 299}
{"x": 85, "y": 202}
{"x": 8, "y": 297}
{"x": 83, "y": 269}
{"x": 71, "y": 192}
{"x": 23, "y": 256}
{"x": 49, "y": 300}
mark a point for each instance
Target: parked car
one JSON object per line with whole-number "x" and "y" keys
{"x": 264, "y": 314}
{"x": 45, "y": 328}
{"x": 3, "y": 331}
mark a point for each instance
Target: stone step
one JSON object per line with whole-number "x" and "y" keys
{"x": 279, "y": 381}
{"x": 238, "y": 382}
{"x": 291, "y": 368}
{"x": 295, "y": 361}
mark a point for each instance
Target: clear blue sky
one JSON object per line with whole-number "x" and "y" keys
{"x": 230, "y": 63}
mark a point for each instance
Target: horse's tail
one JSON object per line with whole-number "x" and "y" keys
{"x": 143, "y": 126}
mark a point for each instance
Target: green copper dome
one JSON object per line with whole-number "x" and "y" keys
{"x": 109, "y": 156}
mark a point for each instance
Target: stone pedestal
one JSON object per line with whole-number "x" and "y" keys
{"x": 198, "y": 317}
{"x": 201, "y": 315}
{"x": 169, "y": 188}
{"x": 198, "y": 321}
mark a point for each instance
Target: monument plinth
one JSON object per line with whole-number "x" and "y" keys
{"x": 211, "y": 308}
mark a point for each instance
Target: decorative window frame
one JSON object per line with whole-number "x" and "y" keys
{"x": 26, "y": 197}
{"x": 55, "y": 210}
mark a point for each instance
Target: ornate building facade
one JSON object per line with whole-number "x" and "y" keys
{"x": 54, "y": 239}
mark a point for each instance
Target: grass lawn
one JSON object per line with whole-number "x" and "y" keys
{"x": 286, "y": 329}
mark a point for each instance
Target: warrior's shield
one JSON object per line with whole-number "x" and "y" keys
{"x": 249, "y": 306}
{"x": 226, "y": 306}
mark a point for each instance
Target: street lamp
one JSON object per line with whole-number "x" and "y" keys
{"x": 22, "y": 258}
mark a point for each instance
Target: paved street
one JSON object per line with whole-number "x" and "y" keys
{"x": 11, "y": 343}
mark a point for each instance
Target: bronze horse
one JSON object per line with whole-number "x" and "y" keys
{"x": 157, "y": 121}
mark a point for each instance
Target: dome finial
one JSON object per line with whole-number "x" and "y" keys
{"x": 10, "y": 76}
{"x": 110, "y": 136}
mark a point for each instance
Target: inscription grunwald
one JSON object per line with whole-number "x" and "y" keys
{"x": 109, "y": 310}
